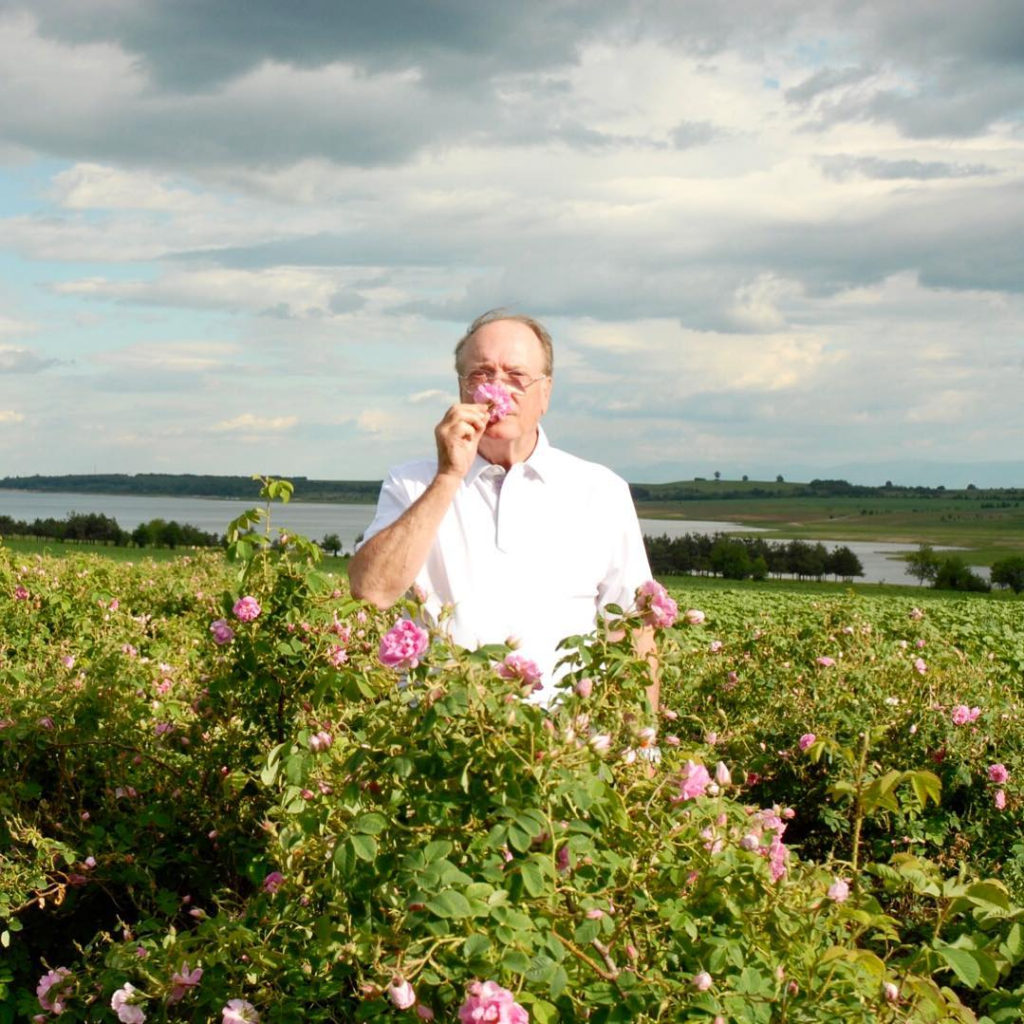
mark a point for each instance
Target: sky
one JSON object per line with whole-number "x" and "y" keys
{"x": 768, "y": 237}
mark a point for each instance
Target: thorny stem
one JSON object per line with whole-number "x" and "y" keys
{"x": 858, "y": 808}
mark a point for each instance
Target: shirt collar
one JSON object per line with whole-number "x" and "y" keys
{"x": 538, "y": 464}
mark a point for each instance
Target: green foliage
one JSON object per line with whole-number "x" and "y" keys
{"x": 1009, "y": 572}
{"x": 266, "y": 802}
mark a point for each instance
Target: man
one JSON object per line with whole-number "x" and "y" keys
{"x": 519, "y": 538}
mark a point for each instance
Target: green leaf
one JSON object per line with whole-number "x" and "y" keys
{"x": 450, "y": 903}
{"x": 364, "y": 847}
{"x": 543, "y": 1012}
{"x": 926, "y": 785}
{"x": 963, "y": 964}
{"x": 371, "y": 823}
{"x": 516, "y": 961}
{"x": 533, "y": 877}
{"x": 989, "y": 895}
{"x": 476, "y": 945}
{"x": 1013, "y": 946}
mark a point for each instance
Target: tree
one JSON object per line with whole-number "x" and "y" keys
{"x": 955, "y": 574}
{"x": 843, "y": 562}
{"x": 923, "y": 565}
{"x": 730, "y": 559}
{"x": 1009, "y": 572}
{"x": 331, "y": 543}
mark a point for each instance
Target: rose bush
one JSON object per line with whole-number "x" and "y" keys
{"x": 279, "y": 824}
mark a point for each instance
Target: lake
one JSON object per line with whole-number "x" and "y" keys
{"x": 348, "y": 521}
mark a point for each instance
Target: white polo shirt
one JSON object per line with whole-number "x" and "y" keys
{"x": 533, "y": 553}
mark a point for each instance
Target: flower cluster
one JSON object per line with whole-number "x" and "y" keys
{"x": 403, "y": 645}
{"x": 497, "y": 397}
{"x": 655, "y": 605}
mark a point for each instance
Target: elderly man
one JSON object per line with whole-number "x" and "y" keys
{"x": 519, "y": 538}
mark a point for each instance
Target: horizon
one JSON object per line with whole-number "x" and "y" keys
{"x": 766, "y": 238}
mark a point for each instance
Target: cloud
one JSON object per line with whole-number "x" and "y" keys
{"x": 841, "y": 168}
{"x": 23, "y": 360}
{"x": 251, "y": 426}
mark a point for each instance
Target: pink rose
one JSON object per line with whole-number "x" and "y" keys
{"x": 693, "y": 616}
{"x": 839, "y": 891}
{"x": 401, "y": 993}
{"x": 222, "y": 632}
{"x": 702, "y": 981}
{"x": 654, "y": 603}
{"x": 21, "y": 593}
{"x": 122, "y": 1002}
{"x": 891, "y": 992}
{"x": 519, "y": 669}
{"x": 182, "y": 981}
{"x": 997, "y": 773}
{"x": 246, "y": 609}
{"x": 962, "y": 714}
{"x": 273, "y": 882}
{"x": 495, "y": 395}
{"x": 322, "y": 740}
{"x": 584, "y": 688}
{"x": 920, "y": 665}
{"x": 825, "y": 661}
{"x": 55, "y": 989}
{"x": 806, "y": 740}
{"x": 403, "y": 645}
{"x": 999, "y": 799}
{"x": 694, "y": 781}
{"x": 487, "y": 1001}
{"x": 239, "y": 1011}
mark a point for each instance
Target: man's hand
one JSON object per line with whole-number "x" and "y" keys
{"x": 384, "y": 568}
{"x": 458, "y": 437}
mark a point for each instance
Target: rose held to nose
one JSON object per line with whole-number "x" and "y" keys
{"x": 495, "y": 395}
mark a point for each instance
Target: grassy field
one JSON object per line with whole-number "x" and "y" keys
{"x": 988, "y": 530}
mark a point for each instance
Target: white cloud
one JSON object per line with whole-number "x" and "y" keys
{"x": 251, "y": 425}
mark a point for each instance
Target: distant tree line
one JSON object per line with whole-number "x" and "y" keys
{"x": 700, "y": 489}
{"x": 951, "y": 572}
{"x": 738, "y": 558}
{"x": 200, "y": 485}
{"x": 96, "y": 528}
{"x": 189, "y": 485}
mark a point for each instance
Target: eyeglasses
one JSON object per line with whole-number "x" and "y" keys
{"x": 517, "y": 380}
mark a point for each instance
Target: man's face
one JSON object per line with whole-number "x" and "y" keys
{"x": 505, "y": 347}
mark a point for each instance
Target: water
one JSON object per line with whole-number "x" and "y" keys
{"x": 314, "y": 520}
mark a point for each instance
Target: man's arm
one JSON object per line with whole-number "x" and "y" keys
{"x": 384, "y": 568}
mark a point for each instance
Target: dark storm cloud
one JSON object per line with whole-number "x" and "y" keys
{"x": 193, "y": 44}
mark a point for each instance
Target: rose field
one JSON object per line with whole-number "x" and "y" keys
{"x": 231, "y": 793}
